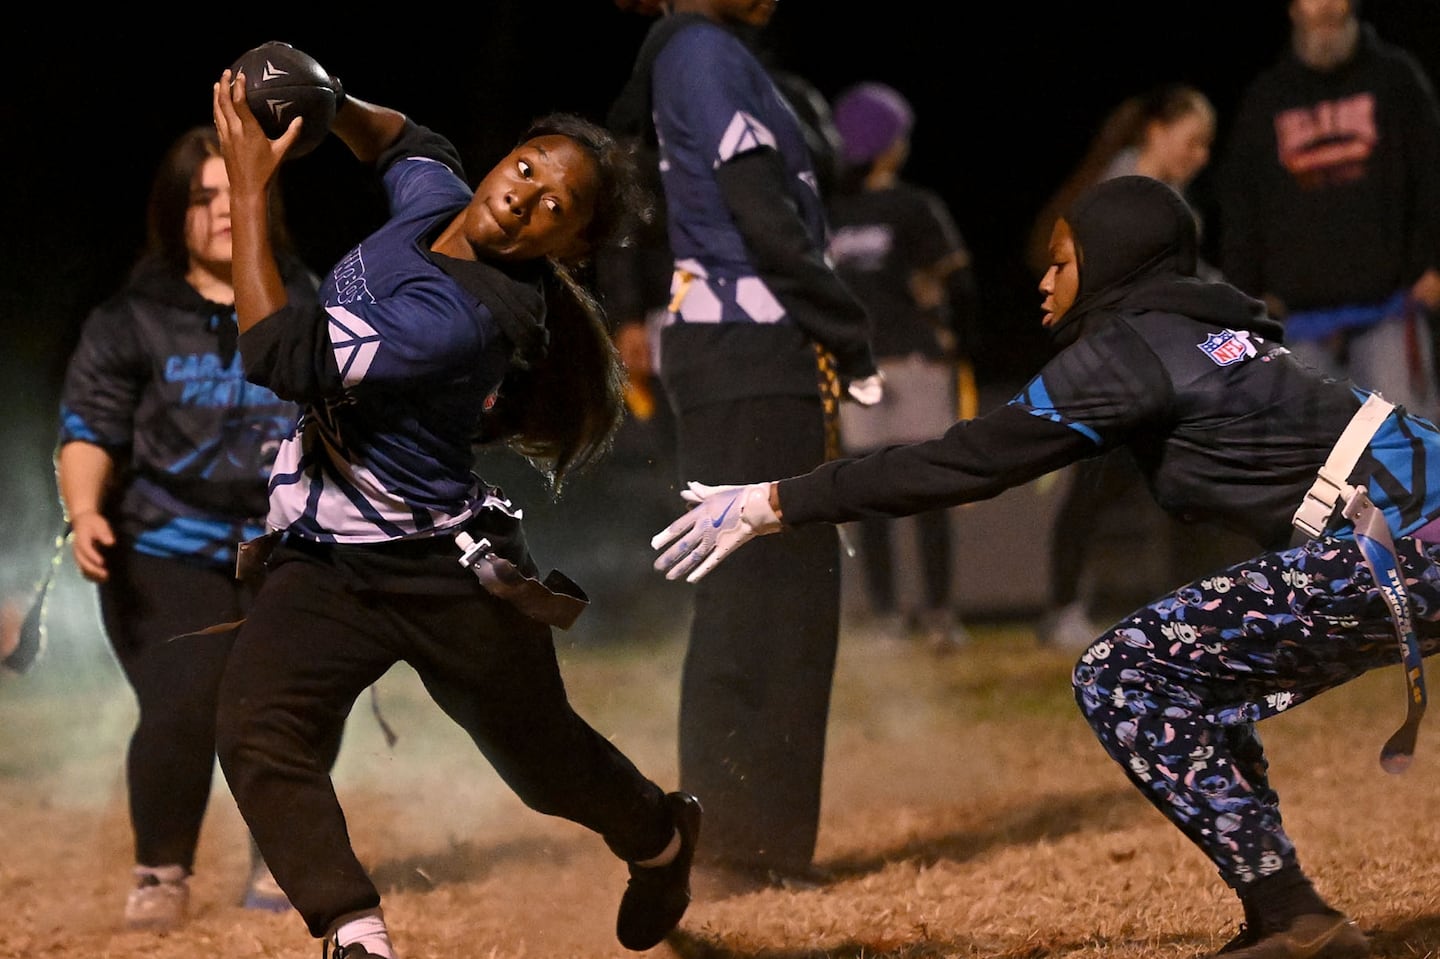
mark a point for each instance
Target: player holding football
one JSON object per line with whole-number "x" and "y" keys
{"x": 462, "y": 319}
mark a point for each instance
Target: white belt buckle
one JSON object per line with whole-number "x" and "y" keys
{"x": 1319, "y": 503}
{"x": 471, "y": 549}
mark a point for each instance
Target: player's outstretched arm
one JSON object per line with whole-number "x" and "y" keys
{"x": 723, "y": 519}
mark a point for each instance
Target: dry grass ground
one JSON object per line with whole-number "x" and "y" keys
{"x": 968, "y": 812}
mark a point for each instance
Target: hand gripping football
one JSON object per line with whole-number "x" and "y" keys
{"x": 282, "y": 83}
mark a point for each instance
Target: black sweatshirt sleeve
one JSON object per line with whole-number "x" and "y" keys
{"x": 973, "y": 460}
{"x": 416, "y": 140}
{"x": 753, "y": 185}
{"x": 289, "y": 353}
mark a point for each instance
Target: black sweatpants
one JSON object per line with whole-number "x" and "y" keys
{"x": 314, "y": 641}
{"x": 755, "y": 686}
{"x": 149, "y": 607}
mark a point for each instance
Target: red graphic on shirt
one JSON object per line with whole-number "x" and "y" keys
{"x": 1327, "y": 143}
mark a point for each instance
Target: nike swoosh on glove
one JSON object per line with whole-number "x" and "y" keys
{"x": 723, "y": 519}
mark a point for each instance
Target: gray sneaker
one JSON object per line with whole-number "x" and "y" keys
{"x": 263, "y": 892}
{"x": 156, "y": 904}
{"x": 942, "y": 632}
{"x": 1068, "y": 628}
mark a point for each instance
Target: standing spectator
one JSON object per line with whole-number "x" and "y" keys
{"x": 164, "y": 452}
{"x": 760, "y": 341}
{"x": 468, "y": 316}
{"x": 1330, "y": 203}
{"x": 897, "y": 248}
{"x": 1164, "y": 133}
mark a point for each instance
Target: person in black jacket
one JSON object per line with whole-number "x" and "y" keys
{"x": 1225, "y": 425}
{"x": 162, "y": 461}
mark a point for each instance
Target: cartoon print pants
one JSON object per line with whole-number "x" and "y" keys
{"x": 1174, "y": 690}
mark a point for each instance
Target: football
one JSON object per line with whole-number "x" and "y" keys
{"x": 282, "y": 83}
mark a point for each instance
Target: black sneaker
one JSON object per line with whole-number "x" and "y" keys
{"x": 656, "y": 897}
{"x": 1247, "y": 936}
{"x": 1317, "y": 935}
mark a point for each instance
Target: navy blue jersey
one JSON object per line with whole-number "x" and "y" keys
{"x": 397, "y": 377}
{"x": 718, "y": 102}
{"x": 753, "y": 299}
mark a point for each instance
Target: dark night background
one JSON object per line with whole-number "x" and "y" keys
{"x": 1006, "y": 97}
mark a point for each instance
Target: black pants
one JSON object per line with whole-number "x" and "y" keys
{"x": 755, "y": 687}
{"x": 148, "y": 607}
{"x": 314, "y": 642}
{"x": 877, "y": 551}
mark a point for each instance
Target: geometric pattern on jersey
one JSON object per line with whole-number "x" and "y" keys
{"x": 744, "y": 133}
{"x": 355, "y": 343}
{"x": 755, "y": 298}
{"x": 706, "y": 301}
{"x": 338, "y": 499}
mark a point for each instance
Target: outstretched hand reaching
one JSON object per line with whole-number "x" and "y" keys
{"x": 722, "y": 520}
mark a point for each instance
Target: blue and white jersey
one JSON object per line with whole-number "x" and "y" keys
{"x": 411, "y": 355}
{"x": 719, "y": 103}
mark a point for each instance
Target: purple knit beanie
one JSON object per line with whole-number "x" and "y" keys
{"x": 870, "y": 117}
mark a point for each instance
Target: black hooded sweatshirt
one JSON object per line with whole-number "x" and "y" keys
{"x": 1189, "y": 374}
{"x": 1330, "y": 184}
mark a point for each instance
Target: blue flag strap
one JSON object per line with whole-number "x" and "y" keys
{"x": 1372, "y": 534}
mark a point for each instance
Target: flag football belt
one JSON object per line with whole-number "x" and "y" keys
{"x": 1332, "y": 482}
{"x": 557, "y": 601}
{"x": 1377, "y": 546}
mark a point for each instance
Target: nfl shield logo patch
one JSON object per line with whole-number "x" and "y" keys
{"x": 1227, "y": 347}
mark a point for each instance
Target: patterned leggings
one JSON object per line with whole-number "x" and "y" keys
{"x": 1174, "y": 690}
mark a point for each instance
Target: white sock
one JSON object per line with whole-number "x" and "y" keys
{"x": 367, "y": 929}
{"x": 666, "y": 857}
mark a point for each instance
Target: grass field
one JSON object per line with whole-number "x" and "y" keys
{"x": 968, "y": 812}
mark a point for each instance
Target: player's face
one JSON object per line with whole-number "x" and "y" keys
{"x": 207, "y": 219}
{"x": 537, "y": 202}
{"x": 1061, "y": 282}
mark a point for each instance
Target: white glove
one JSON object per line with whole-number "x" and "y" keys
{"x": 869, "y": 391}
{"x": 722, "y": 520}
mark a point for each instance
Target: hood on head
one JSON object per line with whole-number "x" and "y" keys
{"x": 1138, "y": 250}
{"x": 1129, "y": 227}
